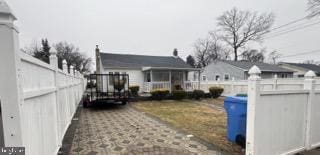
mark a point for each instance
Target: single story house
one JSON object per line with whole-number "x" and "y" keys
{"x": 225, "y": 70}
{"x": 300, "y": 68}
{"x": 148, "y": 72}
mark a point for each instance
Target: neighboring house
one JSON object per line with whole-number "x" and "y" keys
{"x": 300, "y": 69}
{"x": 226, "y": 70}
{"x": 148, "y": 72}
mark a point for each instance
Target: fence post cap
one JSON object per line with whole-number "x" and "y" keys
{"x": 64, "y": 61}
{"x": 310, "y": 74}
{"x": 53, "y": 52}
{"x": 5, "y": 9}
{"x": 254, "y": 72}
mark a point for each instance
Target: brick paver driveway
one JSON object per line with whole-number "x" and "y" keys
{"x": 123, "y": 130}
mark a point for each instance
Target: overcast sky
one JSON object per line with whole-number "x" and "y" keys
{"x": 153, "y": 27}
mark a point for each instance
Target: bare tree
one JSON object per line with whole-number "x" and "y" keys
{"x": 32, "y": 48}
{"x": 239, "y": 27}
{"x": 253, "y": 55}
{"x": 313, "y": 8}
{"x": 71, "y": 53}
{"x": 274, "y": 57}
{"x": 209, "y": 49}
{"x": 202, "y": 52}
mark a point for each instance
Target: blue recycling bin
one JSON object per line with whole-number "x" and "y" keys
{"x": 236, "y": 108}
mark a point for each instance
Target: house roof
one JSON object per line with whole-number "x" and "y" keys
{"x": 264, "y": 67}
{"x": 313, "y": 67}
{"x": 110, "y": 60}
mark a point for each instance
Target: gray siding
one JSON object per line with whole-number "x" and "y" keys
{"x": 270, "y": 75}
{"x": 221, "y": 68}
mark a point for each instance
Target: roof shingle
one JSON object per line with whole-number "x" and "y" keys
{"x": 110, "y": 60}
{"x": 313, "y": 67}
{"x": 264, "y": 67}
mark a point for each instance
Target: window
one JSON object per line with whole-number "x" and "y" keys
{"x": 194, "y": 76}
{"x": 217, "y": 78}
{"x": 148, "y": 77}
{"x": 204, "y": 78}
{"x": 111, "y": 78}
{"x": 300, "y": 76}
{"x": 226, "y": 77}
{"x": 283, "y": 75}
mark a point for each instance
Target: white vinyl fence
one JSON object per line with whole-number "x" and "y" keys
{"x": 38, "y": 100}
{"x": 282, "y": 121}
{"x": 241, "y": 87}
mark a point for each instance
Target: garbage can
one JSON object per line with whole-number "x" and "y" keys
{"x": 236, "y": 108}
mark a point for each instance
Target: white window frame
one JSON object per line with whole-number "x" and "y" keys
{"x": 224, "y": 77}
{"x": 204, "y": 77}
{"x": 284, "y": 75}
{"x": 215, "y": 77}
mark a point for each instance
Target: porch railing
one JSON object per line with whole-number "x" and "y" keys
{"x": 187, "y": 86}
{"x": 191, "y": 85}
{"x": 149, "y": 86}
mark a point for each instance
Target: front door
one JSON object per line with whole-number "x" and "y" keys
{"x": 177, "y": 80}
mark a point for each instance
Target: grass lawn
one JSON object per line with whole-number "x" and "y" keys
{"x": 194, "y": 118}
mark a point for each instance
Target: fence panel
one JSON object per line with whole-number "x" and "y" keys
{"x": 37, "y": 99}
{"x": 280, "y": 122}
{"x": 50, "y": 98}
{"x": 314, "y": 122}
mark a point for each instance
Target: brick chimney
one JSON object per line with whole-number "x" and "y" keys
{"x": 175, "y": 53}
{"x": 98, "y": 60}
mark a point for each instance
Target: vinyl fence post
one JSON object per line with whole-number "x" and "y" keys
{"x": 309, "y": 84}
{"x": 275, "y": 82}
{"x": 253, "y": 99}
{"x": 232, "y": 86}
{"x": 65, "y": 66}
{"x": 11, "y": 93}
{"x": 54, "y": 63}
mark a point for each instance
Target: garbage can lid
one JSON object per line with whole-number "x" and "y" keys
{"x": 236, "y": 99}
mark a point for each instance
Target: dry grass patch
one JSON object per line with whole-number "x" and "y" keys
{"x": 198, "y": 119}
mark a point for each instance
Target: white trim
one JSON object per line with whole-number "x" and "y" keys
{"x": 215, "y": 79}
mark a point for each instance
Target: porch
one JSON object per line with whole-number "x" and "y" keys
{"x": 170, "y": 79}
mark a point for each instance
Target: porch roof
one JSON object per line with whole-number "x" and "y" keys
{"x": 170, "y": 68}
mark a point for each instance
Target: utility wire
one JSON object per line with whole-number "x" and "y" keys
{"x": 295, "y": 29}
{"x": 288, "y": 28}
{"x": 292, "y": 22}
{"x": 309, "y": 52}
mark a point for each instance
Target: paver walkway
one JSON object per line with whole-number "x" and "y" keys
{"x": 123, "y": 130}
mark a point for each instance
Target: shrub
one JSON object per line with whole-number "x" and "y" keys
{"x": 159, "y": 94}
{"x": 198, "y": 94}
{"x": 178, "y": 87}
{"x": 207, "y": 95}
{"x": 215, "y": 91}
{"x": 134, "y": 90}
{"x": 179, "y": 94}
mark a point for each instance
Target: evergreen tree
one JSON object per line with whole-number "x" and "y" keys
{"x": 44, "y": 52}
{"x": 191, "y": 61}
